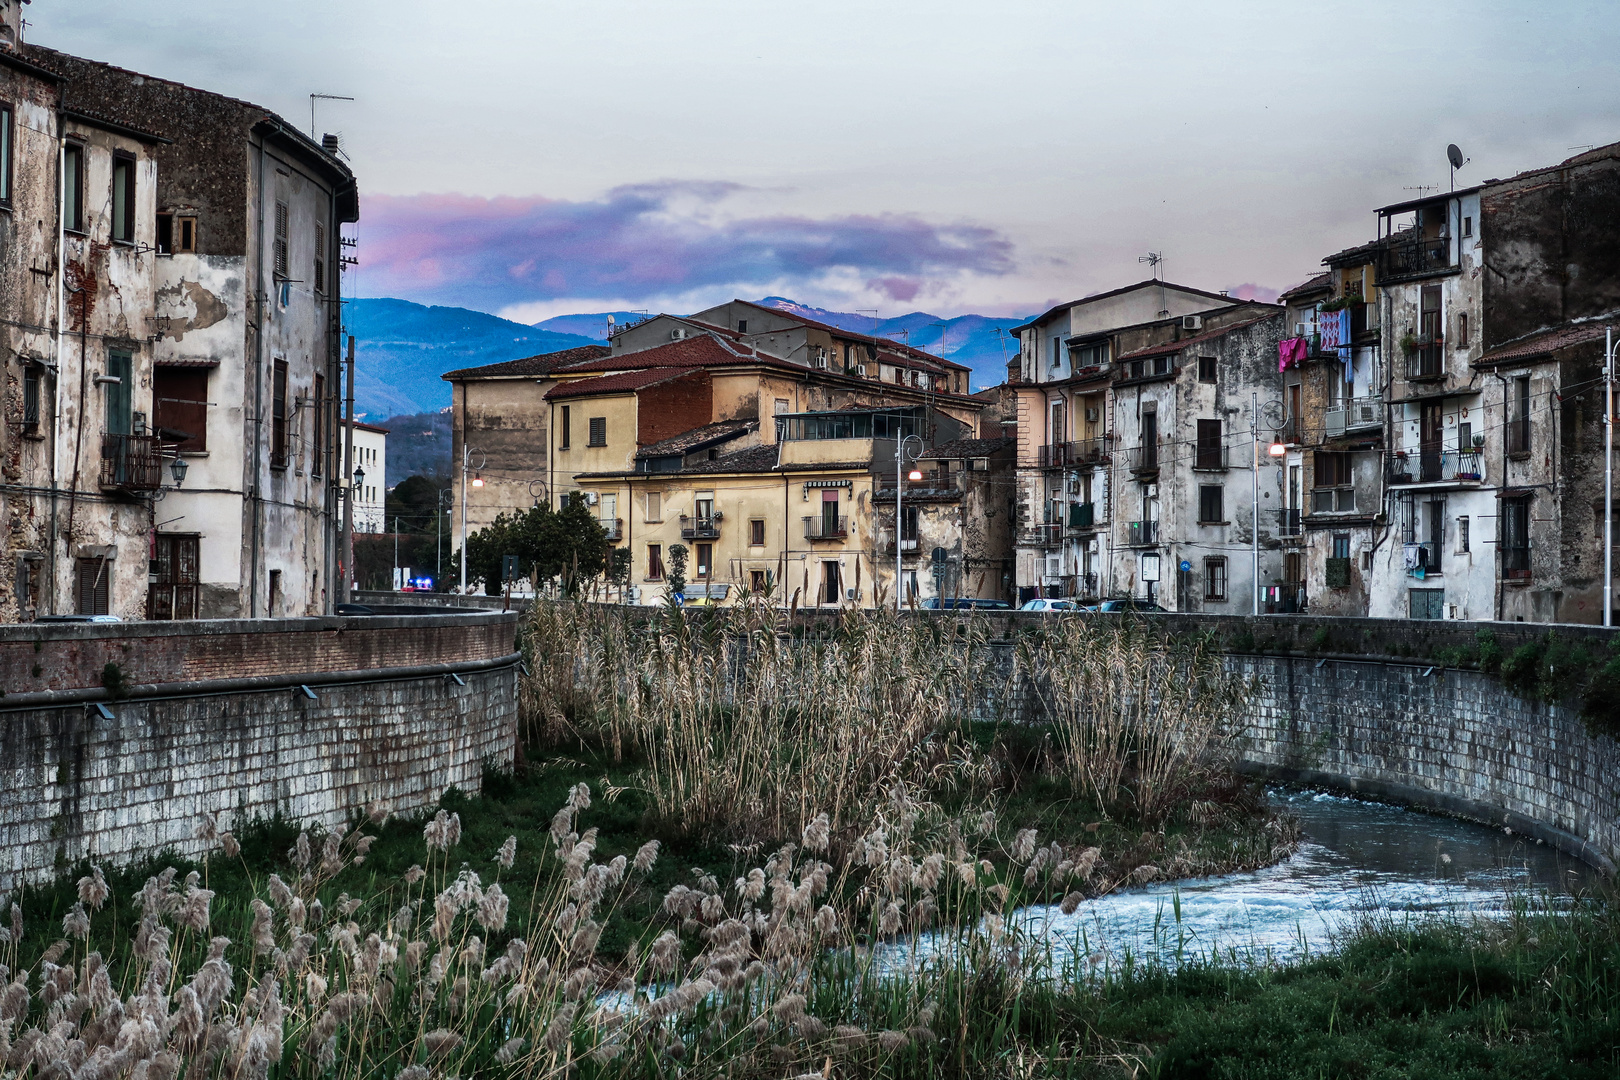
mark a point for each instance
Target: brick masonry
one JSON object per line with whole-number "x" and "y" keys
{"x": 75, "y": 785}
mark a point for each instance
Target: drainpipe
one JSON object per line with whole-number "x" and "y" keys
{"x": 348, "y": 478}
{"x": 56, "y": 350}
{"x": 1501, "y": 484}
{"x": 258, "y": 390}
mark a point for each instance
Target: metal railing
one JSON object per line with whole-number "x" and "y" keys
{"x": 1516, "y": 562}
{"x": 1427, "y": 360}
{"x": 1361, "y": 412}
{"x": 614, "y": 527}
{"x": 131, "y": 462}
{"x": 1042, "y": 533}
{"x": 825, "y": 528}
{"x": 1290, "y": 521}
{"x": 1292, "y": 431}
{"x": 1144, "y": 458}
{"x": 886, "y": 545}
{"x": 1079, "y": 452}
{"x": 700, "y": 528}
{"x": 1424, "y": 555}
{"x": 1436, "y": 466}
{"x": 1405, "y": 253}
{"x": 1333, "y": 500}
{"x": 1208, "y": 458}
{"x": 1142, "y": 533}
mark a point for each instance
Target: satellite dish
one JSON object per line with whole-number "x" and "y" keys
{"x": 610, "y": 318}
{"x": 1454, "y": 155}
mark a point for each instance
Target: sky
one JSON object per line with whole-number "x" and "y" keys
{"x": 532, "y": 159}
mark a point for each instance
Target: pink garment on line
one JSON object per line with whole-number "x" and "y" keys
{"x": 1291, "y": 352}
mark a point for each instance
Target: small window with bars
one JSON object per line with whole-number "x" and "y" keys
{"x": 1215, "y": 578}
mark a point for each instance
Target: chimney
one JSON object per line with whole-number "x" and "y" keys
{"x": 329, "y": 143}
{"x": 11, "y": 24}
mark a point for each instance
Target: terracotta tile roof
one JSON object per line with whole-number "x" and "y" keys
{"x": 908, "y": 352}
{"x": 1321, "y": 281}
{"x": 703, "y": 350}
{"x": 1176, "y": 346}
{"x": 621, "y": 383}
{"x": 1545, "y": 343}
{"x": 543, "y": 364}
{"x": 969, "y": 448}
{"x": 698, "y": 438}
{"x": 754, "y": 459}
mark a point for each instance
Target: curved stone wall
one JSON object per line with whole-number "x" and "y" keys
{"x": 310, "y": 718}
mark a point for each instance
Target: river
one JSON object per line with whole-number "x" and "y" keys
{"x": 1357, "y": 858}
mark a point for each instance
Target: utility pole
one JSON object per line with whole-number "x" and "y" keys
{"x": 397, "y": 582}
{"x": 346, "y": 488}
{"x": 1254, "y": 463}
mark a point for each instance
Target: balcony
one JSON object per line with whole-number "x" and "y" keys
{"x": 1041, "y": 535}
{"x": 1290, "y": 521}
{"x": 907, "y": 544}
{"x": 1333, "y": 500}
{"x": 1406, "y": 254}
{"x": 1354, "y": 414}
{"x": 1144, "y": 459}
{"x": 1081, "y": 452}
{"x": 1209, "y": 458}
{"x": 1082, "y": 515}
{"x": 700, "y": 528}
{"x": 131, "y": 463}
{"x": 1292, "y": 431}
{"x": 1141, "y": 533}
{"x": 826, "y": 528}
{"x": 1516, "y": 562}
{"x": 1436, "y": 467}
{"x": 1426, "y": 358}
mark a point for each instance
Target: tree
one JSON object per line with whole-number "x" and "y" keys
{"x": 677, "y": 572}
{"x": 569, "y": 545}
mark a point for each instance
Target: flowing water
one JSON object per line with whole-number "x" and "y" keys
{"x": 1357, "y": 858}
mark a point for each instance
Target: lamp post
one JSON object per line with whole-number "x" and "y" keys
{"x": 178, "y": 468}
{"x": 899, "y": 517}
{"x": 1608, "y": 476}
{"x": 478, "y": 481}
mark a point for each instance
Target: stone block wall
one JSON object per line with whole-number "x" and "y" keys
{"x": 77, "y": 784}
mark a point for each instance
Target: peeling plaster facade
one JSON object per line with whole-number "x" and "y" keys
{"x": 227, "y": 299}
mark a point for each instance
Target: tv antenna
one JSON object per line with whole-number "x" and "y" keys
{"x": 1154, "y": 259}
{"x": 1455, "y": 156}
{"x": 323, "y": 97}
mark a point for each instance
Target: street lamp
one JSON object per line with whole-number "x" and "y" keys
{"x": 900, "y": 478}
{"x": 178, "y": 468}
{"x": 478, "y": 481}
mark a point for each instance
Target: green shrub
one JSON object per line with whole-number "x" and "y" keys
{"x": 1521, "y": 670}
{"x": 1490, "y": 652}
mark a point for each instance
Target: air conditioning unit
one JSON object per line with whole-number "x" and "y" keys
{"x": 590, "y": 498}
{"x": 1192, "y": 322}
{"x": 852, "y": 594}
{"x": 860, "y": 369}
{"x": 1299, "y": 329}
{"x": 819, "y": 363}
{"x": 677, "y": 334}
{"x": 1092, "y": 415}
{"x": 633, "y": 594}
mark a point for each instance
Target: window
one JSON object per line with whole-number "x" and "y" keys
{"x": 1091, "y": 354}
{"x": 1149, "y": 423}
{"x": 185, "y": 234}
{"x": 1426, "y": 604}
{"x": 278, "y": 415}
{"x": 1333, "y": 478}
{"x": 31, "y": 374}
{"x": 1468, "y": 226}
{"x": 1519, "y": 416}
{"x": 172, "y": 592}
{"x": 655, "y": 562}
{"x": 73, "y": 187}
{"x": 1206, "y": 369}
{"x": 1215, "y": 579}
{"x": 829, "y": 582}
{"x": 704, "y": 558}
{"x": 1057, "y": 422}
{"x": 119, "y": 392}
{"x": 1515, "y": 538}
{"x": 1462, "y": 330}
{"x": 1211, "y": 504}
{"x": 1057, "y": 351}
{"x": 5, "y": 153}
{"x": 1341, "y": 545}
{"x": 655, "y": 506}
{"x": 1462, "y": 536}
{"x": 320, "y": 258}
{"x": 756, "y": 532}
{"x": 180, "y": 407}
{"x": 123, "y": 199}
{"x": 92, "y": 586}
{"x": 165, "y": 234}
{"x": 273, "y": 604}
{"x": 563, "y": 429}
{"x": 281, "y": 240}
{"x": 317, "y": 456}
{"x": 598, "y": 432}
{"x": 742, "y": 326}
{"x": 1211, "y": 454}
{"x": 782, "y": 407}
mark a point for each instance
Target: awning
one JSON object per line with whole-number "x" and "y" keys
{"x": 188, "y": 363}
{"x": 808, "y": 484}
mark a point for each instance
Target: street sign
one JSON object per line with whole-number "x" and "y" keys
{"x": 1185, "y": 566}
{"x": 509, "y": 568}
{"x": 1150, "y": 568}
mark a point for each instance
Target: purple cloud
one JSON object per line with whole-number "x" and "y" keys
{"x": 644, "y": 240}
{"x": 1250, "y": 291}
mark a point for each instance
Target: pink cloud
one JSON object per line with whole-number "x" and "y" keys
{"x": 1251, "y": 291}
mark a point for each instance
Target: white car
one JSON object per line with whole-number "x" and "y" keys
{"x": 1049, "y": 605}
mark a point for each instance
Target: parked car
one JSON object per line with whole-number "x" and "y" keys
{"x": 78, "y": 618}
{"x": 964, "y": 603}
{"x": 1049, "y": 605}
{"x": 1130, "y": 604}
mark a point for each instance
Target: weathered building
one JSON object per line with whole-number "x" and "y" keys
{"x": 193, "y": 331}
{"x": 368, "y": 485}
{"x": 1184, "y": 474}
